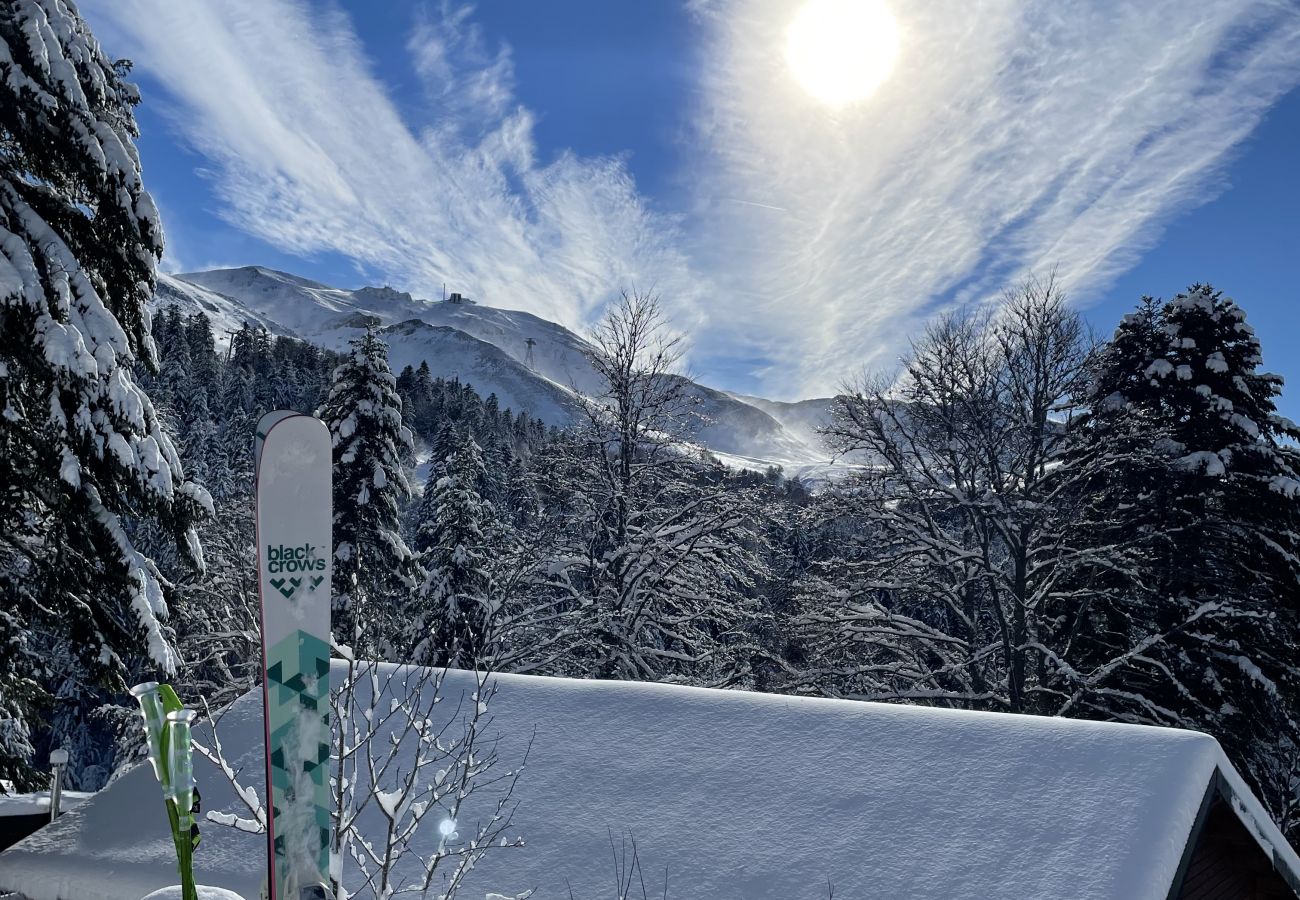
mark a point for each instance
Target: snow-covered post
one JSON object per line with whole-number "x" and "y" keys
{"x": 58, "y": 759}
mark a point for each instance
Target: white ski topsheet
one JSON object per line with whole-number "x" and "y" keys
{"x": 295, "y": 509}
{"x": 294, "y": 536}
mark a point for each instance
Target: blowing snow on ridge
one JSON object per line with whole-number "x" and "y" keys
{"x": 529, "y": 363}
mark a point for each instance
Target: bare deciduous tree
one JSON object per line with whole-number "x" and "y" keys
{"x": 651, "y": 563}
{"x": 964, "y": 583}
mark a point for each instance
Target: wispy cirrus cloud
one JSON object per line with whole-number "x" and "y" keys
{"x": 311, "y": 152}
{"x": 1014, "y": 136}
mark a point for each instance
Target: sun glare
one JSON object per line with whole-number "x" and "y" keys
{"x": 840, "y": 51}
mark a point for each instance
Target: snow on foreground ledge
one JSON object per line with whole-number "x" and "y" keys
{"x": 38, "y": 803}
{"x": 205, "y": 892}
{"x": 742, "y": 796}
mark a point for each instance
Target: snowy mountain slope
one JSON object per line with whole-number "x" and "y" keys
{"x": 226, "y": 314}
{"x": 452, "y": 353}
{"x": 525, "y": 360}
{"x": 300, "y": 303}
{"x": 558, "y": 354}
{"x": 313, "y": 310}
{"x": 733, "y": 427}
{"x": 801, "y": 418}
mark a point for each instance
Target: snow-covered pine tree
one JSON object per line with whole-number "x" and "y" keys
{"x": 20, "y": 694}
{"x": 374, "y": 570}
{"x": 453, "y": 609}
{"x": 517, "y": 499}
{"x": 80, "y": 443}
{"x": 174, "y": 359}
{"x": 203, "y": 351}
{"x": 442, "y": 447}
{"x": 1201, "y": 477}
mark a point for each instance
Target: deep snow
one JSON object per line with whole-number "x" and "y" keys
{"x": 742, "y": 796}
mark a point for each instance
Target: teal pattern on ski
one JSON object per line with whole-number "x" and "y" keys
{"x": 297, "y": 678}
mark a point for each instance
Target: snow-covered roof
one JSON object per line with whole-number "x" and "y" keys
{"x": 743, "y": 796}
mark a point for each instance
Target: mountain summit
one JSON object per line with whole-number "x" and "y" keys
{"x": 528, "y": 362}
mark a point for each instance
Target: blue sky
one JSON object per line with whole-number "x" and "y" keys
{"x": 544, "y": 155}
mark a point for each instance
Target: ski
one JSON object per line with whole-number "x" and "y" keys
{"x": 293, "y": 483}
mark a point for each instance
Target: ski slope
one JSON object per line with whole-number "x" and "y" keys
{"x": 739, "y": 796}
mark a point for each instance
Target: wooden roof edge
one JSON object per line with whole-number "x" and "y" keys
{"x": 1226, "y": 784}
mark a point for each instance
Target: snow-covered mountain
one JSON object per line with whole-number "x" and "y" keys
{"x": 225, "y": 313}
{"x": 528, "y": 362}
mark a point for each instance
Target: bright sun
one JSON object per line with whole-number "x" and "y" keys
{"x": 840, "y": 51}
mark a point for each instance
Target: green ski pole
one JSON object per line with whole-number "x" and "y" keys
{"x": 167, "y": 730}
{"x": 180, "y": 793}
{"x": 155, "y": 718}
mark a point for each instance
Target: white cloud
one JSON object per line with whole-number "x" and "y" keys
{"x": 1012, "y": 137}
{"x": 310, "y": 152}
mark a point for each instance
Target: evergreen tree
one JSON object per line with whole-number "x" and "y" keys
{"x": 374, "y": 570}
{"x": 406, "y": 381}
{"x": 215, "y": 613}
{"x": 442, "y": 449}
{"x": 1202, "y": 479}
{"x": 81, "y": 447}
{"x": 455, "y": 605}
{"x": 170, "y": 390}
{"x": 203, "y": 350}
